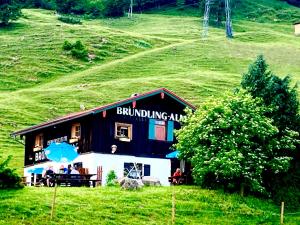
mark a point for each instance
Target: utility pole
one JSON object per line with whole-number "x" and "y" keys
{"x": 130, "y": 9}
{"x": 206, "y": 19}
{"x": 228, "y": 24}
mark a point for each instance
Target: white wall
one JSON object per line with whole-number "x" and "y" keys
{"x": 159, "y": 168}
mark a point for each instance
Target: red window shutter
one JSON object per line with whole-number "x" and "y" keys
{"x": 160, "y": 132}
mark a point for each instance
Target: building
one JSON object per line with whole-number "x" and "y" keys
{"x": 297, "y": 28}
{"x": 135, "y": 130}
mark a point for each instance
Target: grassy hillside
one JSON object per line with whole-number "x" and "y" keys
{"x": 147, "y": 206}
{"x": 162, "y": 48}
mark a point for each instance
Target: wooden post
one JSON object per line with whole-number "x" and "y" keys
{"x": 173, "y": 206}
{"x": 53, "y": 201}
{"x": 34, "y": 180}
{"x": 281, "y": 212}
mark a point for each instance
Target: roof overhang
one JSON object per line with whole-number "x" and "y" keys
{"x": 96, "y": 110}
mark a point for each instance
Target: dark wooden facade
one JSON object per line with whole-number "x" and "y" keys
{"x": 98, "y": 128}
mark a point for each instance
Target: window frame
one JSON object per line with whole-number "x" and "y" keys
{"x": 38, "y": 142}
{"x": 129, "y": 129}
{"x": 74, "y": 131}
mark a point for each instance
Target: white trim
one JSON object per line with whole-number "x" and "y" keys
{"x": 159, "y": 168}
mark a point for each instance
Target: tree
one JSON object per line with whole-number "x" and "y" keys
{"x": 231, "y": 143}
{"x": 8, "y": 177}
{"x": 275, "y": 92}
{"x": 9, "y": 10}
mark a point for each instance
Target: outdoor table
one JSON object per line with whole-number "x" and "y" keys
{"x": 74, "y": 179}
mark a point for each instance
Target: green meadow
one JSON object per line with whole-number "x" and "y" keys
{"x": 151, "y": 205}
{"x": 161, "y": 48}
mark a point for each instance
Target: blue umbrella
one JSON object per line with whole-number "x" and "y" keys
{"x": 173, "y": 155}
{"x": 61, "y": 152}
{"x": 38, "y": 170}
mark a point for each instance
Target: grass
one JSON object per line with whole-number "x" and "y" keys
{"x": 162, "y": 48}
{"x": 108, "y": 205}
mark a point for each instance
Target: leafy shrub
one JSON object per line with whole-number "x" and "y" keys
{"x": 69, "y": 19}
{"x": 78, "y": 50}
{"x": 9, "y": 10}
{"x": 90, "y": 7}
{"x": 114, "y": 8}
{"x": 67, "y": 46}
{"x": 8, "y": 177}
{"x": 43, "y": 4}
{"x": 110, "y": 178}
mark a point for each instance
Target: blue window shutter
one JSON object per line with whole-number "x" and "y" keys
{"x": 152, "y": 129}
{"x": 170, "y": 130}
{"x": 146, "y": 170}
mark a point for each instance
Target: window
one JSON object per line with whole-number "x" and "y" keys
{"x": 123, "y": 131}
{"x": 136, "y": 170}
{"x": 161, "y": 130}
{"x": 76, "y": 131}
{"x": 39, "y": 140}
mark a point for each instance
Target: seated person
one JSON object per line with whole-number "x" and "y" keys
{"x": 74, "y": 171}
{"x": 69, "y": 169}
{"x": 177, "y": 176}
{"x": 48, "y": 175}
{"x": 63, "y": 170}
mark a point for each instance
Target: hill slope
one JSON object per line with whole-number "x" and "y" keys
{"x": 147, "y": 206}
{"x": 163, "y": 48}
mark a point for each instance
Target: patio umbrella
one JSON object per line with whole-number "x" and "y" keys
{"x": 60, "y": 153}
{"x": 37, "y": 170}
{"x": 173, "y": 155}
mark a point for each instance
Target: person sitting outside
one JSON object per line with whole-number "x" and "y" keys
{"x": 74, "y": 171}
{"x": 75, "y": 177}
{"x": 176, "y": 178}
{"x": 63, "y": 170}
{"x": 48, "y": 175}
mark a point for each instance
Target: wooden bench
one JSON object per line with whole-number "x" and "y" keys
{"x": 76, "y": 182}
{"x": 180, "y": 179}
{"x": 75, "y": 179}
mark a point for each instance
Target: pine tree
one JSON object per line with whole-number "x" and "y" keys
{"x": 9, "y": 10}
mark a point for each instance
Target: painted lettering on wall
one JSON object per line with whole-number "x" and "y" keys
{"x": 57, "y": 140}
{"x": 39, "y": 156}
{"x": 149, "y": 114}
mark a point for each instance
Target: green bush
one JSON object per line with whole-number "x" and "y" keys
{"x": 78, "y": 50}
{"x": 110, "y": 178}
{"x": 8, "y": 177}
{"x": 9, "y": 10}
{"x": 114, "y": 8}
{"x": 69, "y": 19}
{"x": 67, "y": 46}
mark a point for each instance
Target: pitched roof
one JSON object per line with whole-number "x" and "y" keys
{"x": 76, "y": 115}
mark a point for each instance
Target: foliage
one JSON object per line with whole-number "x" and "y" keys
{"x": 8, "y": 177}
{"x": 78, "y": 50}
{"x": 233, "y": 143}
{"x": 69, "y": 19}
{"x": 67, "y": 46}
{"x": 9, "y": 10}
{"x": 114, "y": 8}
{"x": 141, "y": 5}
{"x": 43, "y": 4}
{"x": 275, "y": 92}
{"x": 93, "y": 8}
{"x": 111, "y": 178}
